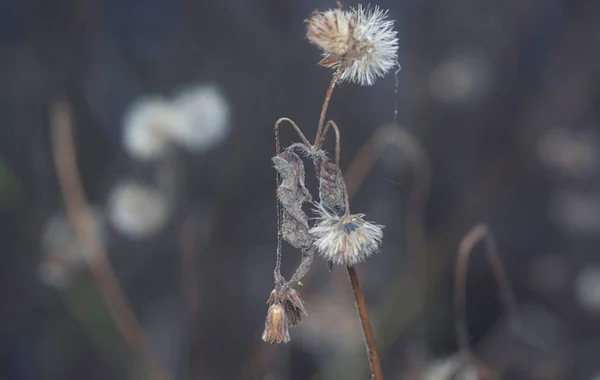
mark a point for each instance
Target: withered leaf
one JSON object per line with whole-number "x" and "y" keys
{"x": 332, "y": 188}
{"x": 292, "y": 193}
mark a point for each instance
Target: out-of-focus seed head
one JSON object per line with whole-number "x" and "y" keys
{"x": 136, "y": 210}
{"x": 345, "y": 240}
{"x": 147, "y": 128}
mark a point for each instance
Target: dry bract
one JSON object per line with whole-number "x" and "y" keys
{"x": 276, "y": 325}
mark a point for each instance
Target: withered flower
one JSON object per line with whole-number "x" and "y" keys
{"x": 292, "y": 305}
{"x": 347, "y": 239}
{"x": 360, "y": 43}
{"x": 276, "y": 325}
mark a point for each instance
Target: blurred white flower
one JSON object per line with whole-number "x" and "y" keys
{"x": 454, "y": 367}
{"x": 205, "y": 112}
{"x": 360, "y": 43}
{"x": 148, "y": 127}
{"x": 577, "y": 212}
{"x": 137, "y": 210}
{"x": 197, "y": 119}
{"x": 345, "y": 240}
{"x": 460, "y": 78}
{"x": 62, "y": 254}
{"x": 587, "y": 289}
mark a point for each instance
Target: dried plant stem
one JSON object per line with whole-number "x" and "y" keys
{"x": 336, "y": 129}
{"x": 366, "y": 325}
{"x": 298, "y": 130}
{"x": 465, "y": 248}
{"x": 319, "y": 136}
{"x": 80, "y": 217}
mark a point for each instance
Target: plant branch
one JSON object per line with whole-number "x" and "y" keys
{"x": 361, "y": 306}
{"x": 80, "y": 217}
{"x": 298, "y": 130}
{"x": 338, "y": 148}
{"x": 319, "y": 137}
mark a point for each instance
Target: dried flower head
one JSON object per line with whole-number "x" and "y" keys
{"x": 276, "y": 325}
{"x": 360, "y": 43}
{"x": 292, "y": 305}
{"x": 345, "y": 240}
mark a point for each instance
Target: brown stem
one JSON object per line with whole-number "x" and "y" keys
{"x": 318, "y": 138}
{"x": 298, "y": 130}
{"x": 338, "y": 148}
{"x": 465, "y": 248}
{"x": 366, "y": 325}
{"x": 80, "y": 217}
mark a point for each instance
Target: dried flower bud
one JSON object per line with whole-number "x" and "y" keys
{"x": 345, "y": 240}
{"x": 276, "y": 325}
{"x": 332, "y": 188}
{"x": 360, "y": 43}
{"x": 292, "y": 304}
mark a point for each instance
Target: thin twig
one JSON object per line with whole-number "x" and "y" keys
{"x": 319, "y": 137}
{"x": 338, "y": 148}
{"x": 298, "y": 130}
{"x": 465, "y": 249}
{"x": 361, "y": 306}
{"x": 80, "y": 217}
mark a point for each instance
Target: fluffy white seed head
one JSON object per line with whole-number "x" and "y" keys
{"x": 360, "y": 43}
{"x": 148, "y": 126}
{"x": 137, "y": 210}
{"x": 206, "y": 118}
{"x": 345, "y": 240}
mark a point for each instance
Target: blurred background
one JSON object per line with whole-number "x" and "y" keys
{"x": 500, "y": 103}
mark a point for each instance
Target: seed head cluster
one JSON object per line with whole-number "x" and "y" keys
{"x": 360, "y": 43}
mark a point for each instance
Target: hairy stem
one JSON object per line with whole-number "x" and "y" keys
{"x": 366, "y": 325}
{"x": 296, "y": 128}
{"x": 319, "y": 137}
{"x": 80, "y": 217}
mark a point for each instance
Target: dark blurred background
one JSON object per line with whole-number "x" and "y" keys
{"x": 502, "y": 96}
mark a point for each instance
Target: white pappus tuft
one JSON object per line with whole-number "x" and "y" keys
{"x": 137, "y": 210}
{"x": 345, "y": 240}
{"x": 361, "y": 44}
